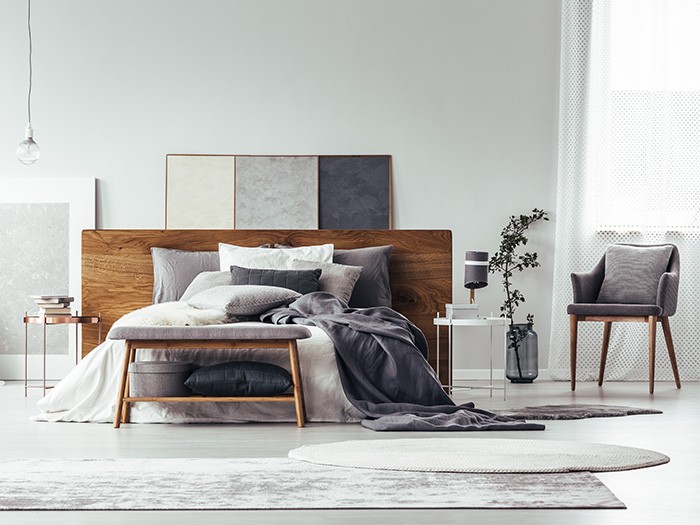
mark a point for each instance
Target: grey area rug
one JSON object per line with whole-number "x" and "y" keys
{"x": 552, "y": 412}
{"x": 479, "y": 455}
{"x": 278, "y": 483}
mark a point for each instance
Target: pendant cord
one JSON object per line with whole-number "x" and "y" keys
{"x": 29, "y": 31}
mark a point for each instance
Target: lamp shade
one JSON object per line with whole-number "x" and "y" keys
{"x": 476, "y": 269}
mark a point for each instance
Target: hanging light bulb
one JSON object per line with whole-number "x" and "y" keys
{"x": 28, "y": 151}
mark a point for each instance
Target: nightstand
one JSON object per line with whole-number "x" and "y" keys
{"x": 483, "y": 322}
{"x": 44, "y": 320}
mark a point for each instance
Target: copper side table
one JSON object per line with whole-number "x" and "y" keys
{"x": 44, "y": 320}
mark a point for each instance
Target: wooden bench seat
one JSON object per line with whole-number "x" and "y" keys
{"x": 209, "y": 338}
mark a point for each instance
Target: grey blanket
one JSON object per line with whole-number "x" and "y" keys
{"x": 383, "y": 367}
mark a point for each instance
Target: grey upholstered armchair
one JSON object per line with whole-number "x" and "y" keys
{"x": 631, "y": 282}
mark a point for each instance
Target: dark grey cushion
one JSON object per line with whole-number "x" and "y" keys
{"x": 243, "y": 299}
{"x": 632, "y": 273}
{"x": 302, "y": 281}
{"x": 338, "y": 279}
{"x": 373, "y": 287}
{"x": 174, "y": 270}
{"x": 240, "y": 378}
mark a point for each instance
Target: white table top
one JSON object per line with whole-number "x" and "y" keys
{"x": 479, "y": 321}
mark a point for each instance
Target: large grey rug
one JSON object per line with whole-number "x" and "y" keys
{"x": 479, "y": 455}
{"x": 574, "y": 411}
{"x": 277, "y": 483}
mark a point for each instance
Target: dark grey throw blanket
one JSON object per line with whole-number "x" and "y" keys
{"x": 382, "y": 364}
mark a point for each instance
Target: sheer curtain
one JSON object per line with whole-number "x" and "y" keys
{"x": 629, "y": 167}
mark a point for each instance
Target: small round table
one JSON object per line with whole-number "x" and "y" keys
{"x": 44, "y": 320}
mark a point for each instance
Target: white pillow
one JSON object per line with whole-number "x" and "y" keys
{"x": 273, "y": 258}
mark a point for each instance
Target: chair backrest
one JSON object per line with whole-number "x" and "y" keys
{"x": 665, "y": 291}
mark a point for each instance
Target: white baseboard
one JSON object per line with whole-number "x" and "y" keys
{"x": 469, "y": 374}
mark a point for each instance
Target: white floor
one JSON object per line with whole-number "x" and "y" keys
{"x": 668, "y": 494}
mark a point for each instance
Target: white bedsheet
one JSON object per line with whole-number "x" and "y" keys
{"x": 89, "y": 391}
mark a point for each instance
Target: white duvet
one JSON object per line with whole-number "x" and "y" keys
{"x": 88, "y": 393}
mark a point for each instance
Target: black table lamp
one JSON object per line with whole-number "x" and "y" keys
{"x": 476, "y": 271}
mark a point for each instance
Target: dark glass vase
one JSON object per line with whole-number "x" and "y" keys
{"x": 521, "y": 354}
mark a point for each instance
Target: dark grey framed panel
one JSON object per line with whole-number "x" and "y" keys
{"x": 355, "y": 192}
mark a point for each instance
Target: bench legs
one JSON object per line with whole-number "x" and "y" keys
{"x": 123, "y": 392}
{"x": 121, "y": 413}
{"x": 296, "y": 378}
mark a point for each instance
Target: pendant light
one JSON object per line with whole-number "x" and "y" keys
{"x": 28, "y": 151}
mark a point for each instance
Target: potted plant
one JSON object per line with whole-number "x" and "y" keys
{"x": 521, "y": 352}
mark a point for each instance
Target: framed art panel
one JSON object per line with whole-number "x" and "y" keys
{"x": 276, "y": 192}
{"x": 355, "y": 192}
{"x": 42, "y": 221}
{"x": 199, "y": 191}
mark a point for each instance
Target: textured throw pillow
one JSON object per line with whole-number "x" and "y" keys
{"x": 243, "y": 300}
{"x": 230, "y": 255}
{"x": 174, "y": 270}
{"x": 242, "y": 378}
{"x": 338, "y": 279}
{"x": 632, "y": 273}
{"x": 204, "y": 281}
{"x": 372, "y": 288}
{"x": 302, "y": 281}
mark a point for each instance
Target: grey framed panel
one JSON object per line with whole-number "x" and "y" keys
{"x": 276, "y": 192}
{"x": 199, "y": 191}
{"x": 355, "y": 192}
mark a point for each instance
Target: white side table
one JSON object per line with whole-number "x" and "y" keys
{"x": 489, "y": 322}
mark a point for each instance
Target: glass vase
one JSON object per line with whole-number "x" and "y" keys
{"x": 521, "y": 354}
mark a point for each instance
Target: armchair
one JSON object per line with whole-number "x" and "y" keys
{"x": 641, "y": 286}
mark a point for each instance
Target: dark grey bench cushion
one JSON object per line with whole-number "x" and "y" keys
{"x": 217, "y": 332}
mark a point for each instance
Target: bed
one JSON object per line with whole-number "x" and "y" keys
{"x": 118, "y": 277}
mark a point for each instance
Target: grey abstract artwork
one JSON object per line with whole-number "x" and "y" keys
{"x": 355, "y": 192}
{"x": 34, "y": 259}
{"x": 276, "y": 192}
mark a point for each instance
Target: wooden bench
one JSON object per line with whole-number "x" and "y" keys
{"x": 209, "y": 338}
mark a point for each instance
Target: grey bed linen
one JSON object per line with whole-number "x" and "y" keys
{"x": 382, "y": 364}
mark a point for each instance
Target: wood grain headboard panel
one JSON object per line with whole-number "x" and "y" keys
{"x": 117, "y": 270}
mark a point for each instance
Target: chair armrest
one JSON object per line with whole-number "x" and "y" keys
{"x": 586, "y": 286}
{"x": 667, "y": 293}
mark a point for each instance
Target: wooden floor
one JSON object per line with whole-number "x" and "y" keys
{"x": 659, "y": 495}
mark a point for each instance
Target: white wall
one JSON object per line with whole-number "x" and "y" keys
{"x": 463, "y": 94}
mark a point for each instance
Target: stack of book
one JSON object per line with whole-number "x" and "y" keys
{"x": 53, "y": 304}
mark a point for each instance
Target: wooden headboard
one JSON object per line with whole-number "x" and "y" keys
{"x": 117, "y": 270}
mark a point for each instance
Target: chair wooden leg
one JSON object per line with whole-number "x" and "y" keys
{"x": 573, "y": 339}
{"x": 671, "y": 351}
{"x": 652, "y": 351}
{"x": 607, "y": 326}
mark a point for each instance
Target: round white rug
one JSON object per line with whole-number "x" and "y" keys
{"x": 478, "y": 455}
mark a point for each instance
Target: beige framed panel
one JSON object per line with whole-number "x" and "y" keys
{"x": 199, "y": 191}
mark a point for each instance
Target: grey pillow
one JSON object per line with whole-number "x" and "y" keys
{"x": 373, "y": 287}
{"x": 243, "y": 300}
{"x": 338, "y": 279}
{"x": 240, "y": 378}
{"x": 174, "y": 270}
{"x": 204, "y": 281}
{"x": 632, "y": 273}
{"x": 302, "y": 281}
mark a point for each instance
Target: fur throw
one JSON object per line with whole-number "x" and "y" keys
{"x": 176, "y": 313}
